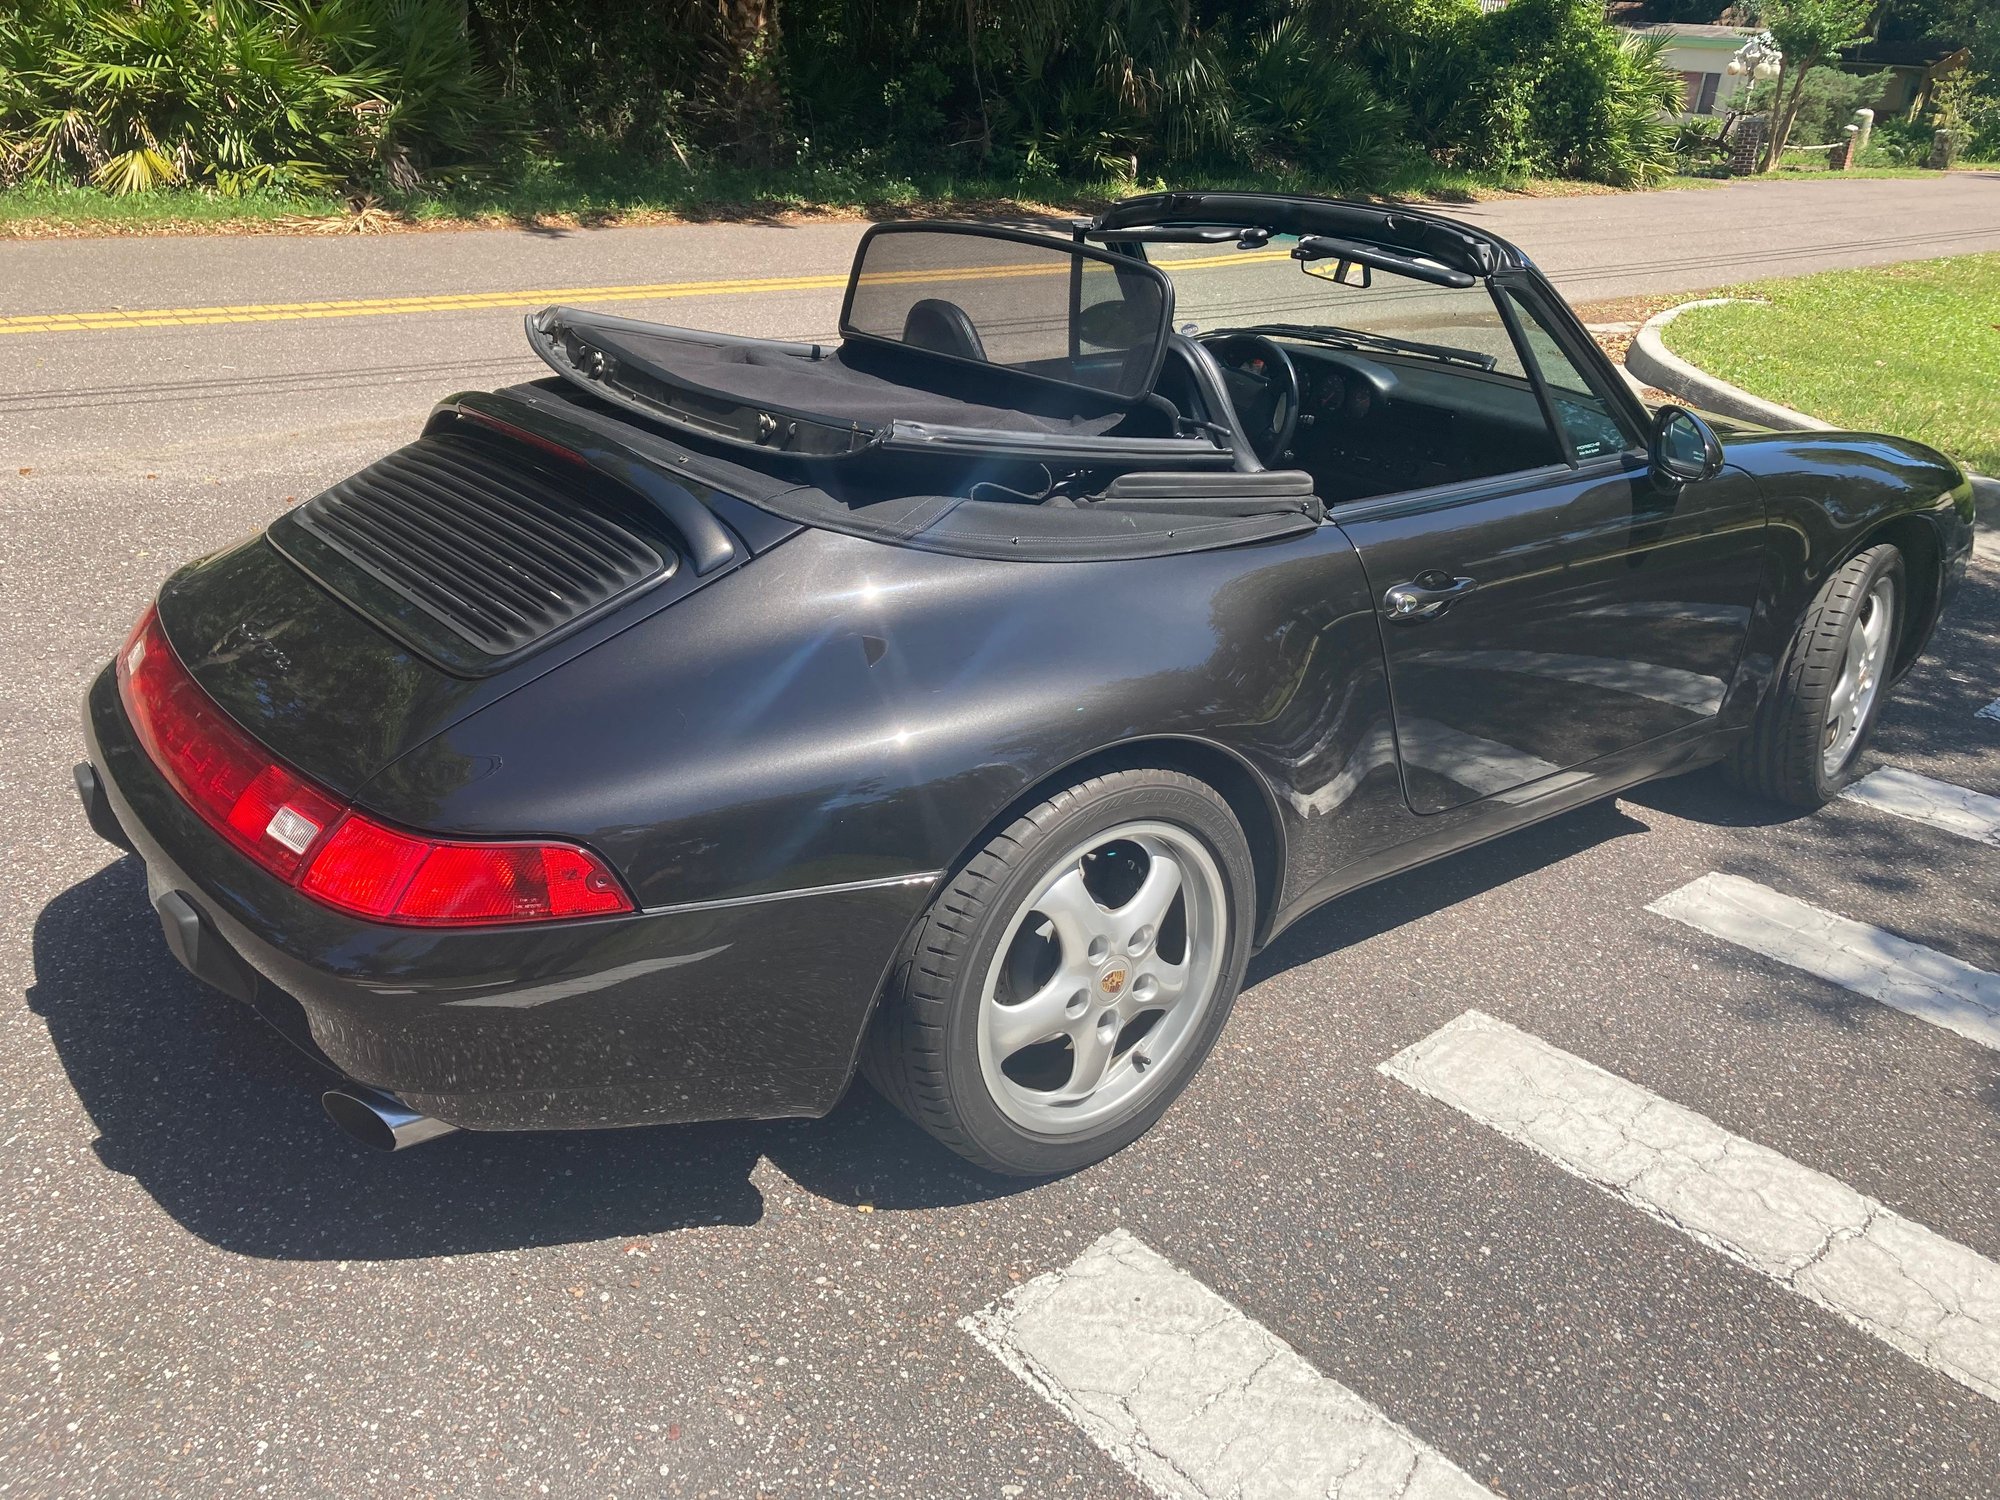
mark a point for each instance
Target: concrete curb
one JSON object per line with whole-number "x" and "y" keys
{"x": 1650, "y": 360}
{"x": 1986, "y": 502}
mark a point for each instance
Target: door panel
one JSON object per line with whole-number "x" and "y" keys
{"x": 1603, "y": 611}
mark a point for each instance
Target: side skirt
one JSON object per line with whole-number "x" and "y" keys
{"x": 1670, "y": 755}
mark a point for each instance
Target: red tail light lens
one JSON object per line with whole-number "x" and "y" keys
{"x": 368, "y": 869}
{"x": 310, "y": 839}
{"x": 377, "y": 872}
{"x": 260, "y": 807}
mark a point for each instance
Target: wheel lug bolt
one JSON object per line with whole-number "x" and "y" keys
{"x": 1100, "y": 949}
{"x": 1077, "y": 1004}
{"x": 1141, "y": 940}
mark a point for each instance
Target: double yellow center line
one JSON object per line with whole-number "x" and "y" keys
{"x": 382, "y": 307}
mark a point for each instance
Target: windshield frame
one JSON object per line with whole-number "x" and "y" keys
{"x": 1558, "y": 320}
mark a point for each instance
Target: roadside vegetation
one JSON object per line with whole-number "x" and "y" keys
{"x": 469, "y": 108}
{"x": 1813, "y": 99}
{"x": 1911, "y": 348}
{"x": 360, "y": 114}
{"x": 602, "y": 189}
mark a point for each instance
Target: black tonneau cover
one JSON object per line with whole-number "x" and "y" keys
{"x": 817, "y": 401}
{"x": 1146, "y": 514}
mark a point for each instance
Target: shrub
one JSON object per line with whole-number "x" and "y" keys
{"x": 1899, "y": 143}
{"x": 238, "y": 95}
{"x": 312, "y": 94}
{"x": 1544, "y": 86}
{"x": 1828, "y": 99}
{"x": 1701, "y": 147}
{"x": 1298, "y": 105}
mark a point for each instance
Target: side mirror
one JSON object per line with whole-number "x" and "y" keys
{"x": 1685, "y": 449}
{"x": 1115, "y": 324}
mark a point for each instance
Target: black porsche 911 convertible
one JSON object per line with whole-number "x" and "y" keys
{"x": 965, "y": 701}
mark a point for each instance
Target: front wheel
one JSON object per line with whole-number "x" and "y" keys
{"x": 1806, "y": 741}
{"x": 1067, "y": 982}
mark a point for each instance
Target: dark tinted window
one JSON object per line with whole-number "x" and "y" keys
{"x": 1038, "y": 307}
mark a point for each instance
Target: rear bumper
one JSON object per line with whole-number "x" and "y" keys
{"x": 746, "y": 1011}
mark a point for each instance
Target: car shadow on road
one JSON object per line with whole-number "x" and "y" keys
{"x": 218, "y": 1118}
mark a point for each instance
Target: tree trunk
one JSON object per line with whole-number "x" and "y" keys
{"x": 748, "y": 31}
{"x": 978, "y": 89}
{"x": 1784, "y": 111}
{"x": 1784, "y": 127}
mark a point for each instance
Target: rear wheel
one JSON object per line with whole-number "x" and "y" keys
{"x": 1070, "y": 978}
{"x": 1807, "y": 739}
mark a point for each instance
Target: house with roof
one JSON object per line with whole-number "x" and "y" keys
{"x": 1702, "y": 55}
{"x": 1914, "y": 67}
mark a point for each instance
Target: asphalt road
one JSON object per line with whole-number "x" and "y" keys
{"x": 204, "y": 1290}
{"x": 210, "y": 397}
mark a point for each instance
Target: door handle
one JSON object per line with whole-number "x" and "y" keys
{"x": 1426, "y": 598}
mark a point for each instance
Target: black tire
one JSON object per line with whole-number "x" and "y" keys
{"x": 921, "y": 1053}
{"x": 1781, "y": 757}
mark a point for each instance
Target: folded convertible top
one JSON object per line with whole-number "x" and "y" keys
{"x": 821, "y": 402}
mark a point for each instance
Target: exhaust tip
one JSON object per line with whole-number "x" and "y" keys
{"x": 378, "y": 1121}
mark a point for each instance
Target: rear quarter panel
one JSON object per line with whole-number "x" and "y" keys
{"x": 842, "y": 710}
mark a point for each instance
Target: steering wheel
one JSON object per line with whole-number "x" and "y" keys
{"x": 1263, "y": 385}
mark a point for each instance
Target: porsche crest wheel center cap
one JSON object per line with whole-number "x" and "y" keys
{"x": 1112, "y": 980}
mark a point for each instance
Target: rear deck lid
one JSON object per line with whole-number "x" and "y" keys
{"x": 432, "y": 583}
{"x": 472, "y": 550}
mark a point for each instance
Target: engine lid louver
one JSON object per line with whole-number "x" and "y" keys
{"x": 473, "y": 550}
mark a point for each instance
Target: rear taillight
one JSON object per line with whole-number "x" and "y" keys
{"x": 309, "y": 838}
{"x": 377, "y": 872}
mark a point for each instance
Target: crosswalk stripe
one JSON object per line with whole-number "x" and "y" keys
{"x": 1929, "y": 1297}
{"x": 1195, "y": 1399}
{"x": 1906, "y": 976}
{"x": 1972, "y": 815}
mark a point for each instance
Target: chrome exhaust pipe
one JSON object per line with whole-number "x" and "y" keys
{"x": 379, "y": 1121}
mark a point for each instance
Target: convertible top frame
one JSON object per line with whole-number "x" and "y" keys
{"x": 1449, "y": 244}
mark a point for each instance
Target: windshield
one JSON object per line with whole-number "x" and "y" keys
{"x": 1217, "y": 288}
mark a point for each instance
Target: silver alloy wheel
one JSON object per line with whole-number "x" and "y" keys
{"x": 1101, "y": 978}
{"x": 1862, "y": 666}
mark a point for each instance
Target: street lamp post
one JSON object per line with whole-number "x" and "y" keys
{"x": 1758, "y": 59}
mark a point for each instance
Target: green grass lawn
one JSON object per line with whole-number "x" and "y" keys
{"x": 78, "y": 210}
{"x": 614, "y": 190}
{"x": 1815, "y": 171}
{"x": 1912, "y": 349}
{"x": 1807, "y": 171}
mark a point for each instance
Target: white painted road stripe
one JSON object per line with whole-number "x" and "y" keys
{"x": 1194, "y": 1398}
{"x": 1972, "y": 815}
{"x": 1991, "y": 711}
{"x": 1932, "y": 1298}
{"x": 1907, "y": 976}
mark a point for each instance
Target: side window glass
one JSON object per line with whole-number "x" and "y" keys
{"x": 1588, "y": 415}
